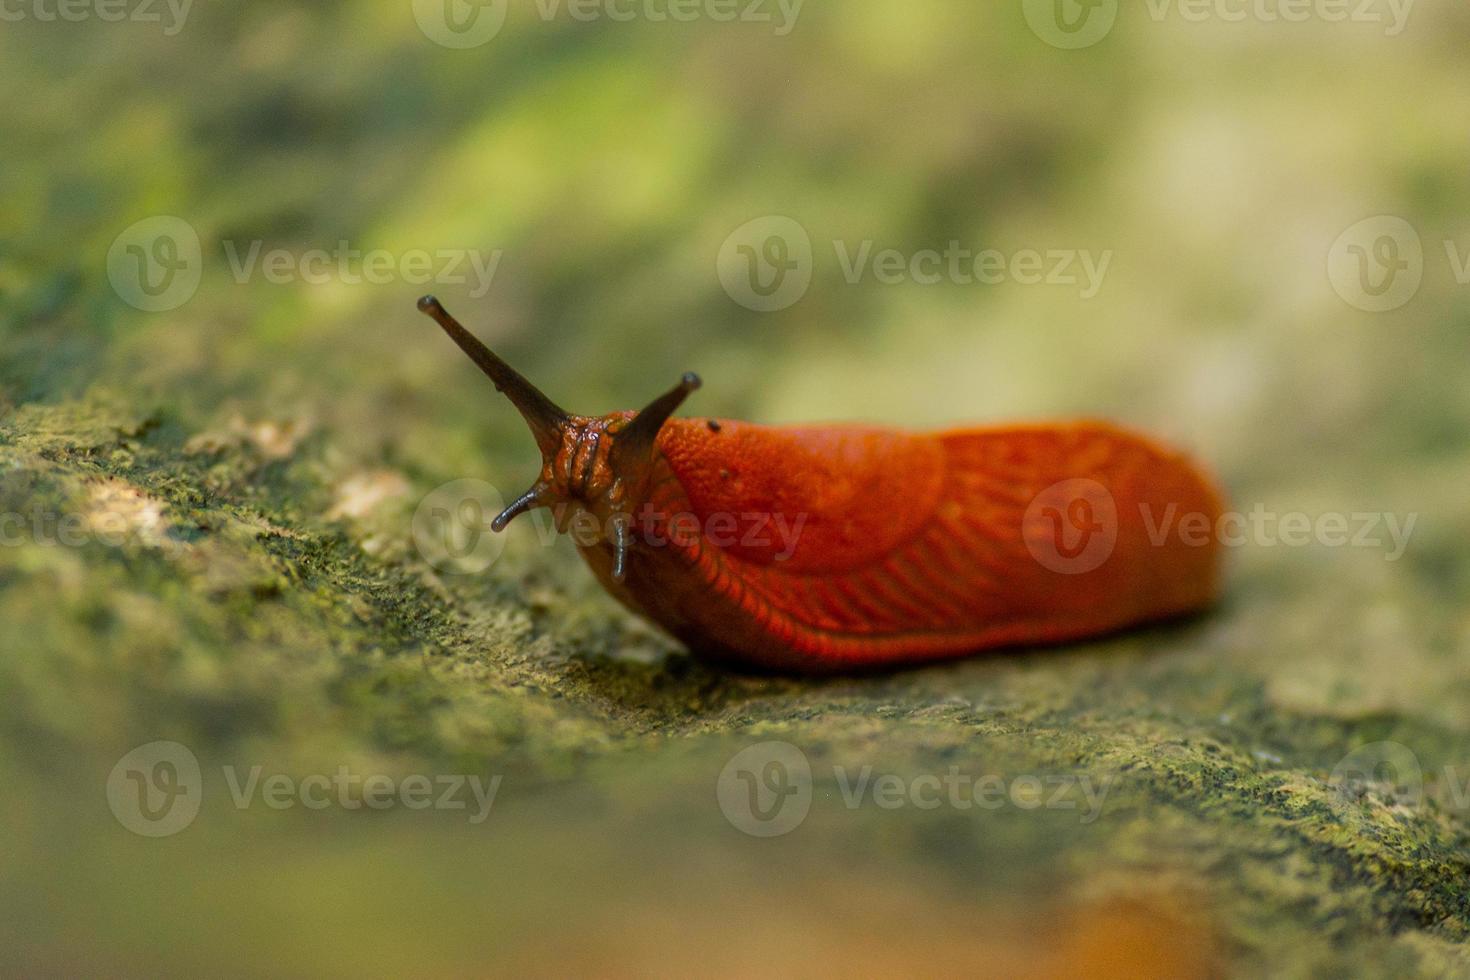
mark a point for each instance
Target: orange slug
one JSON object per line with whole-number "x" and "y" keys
{"x": 829, "y": 548}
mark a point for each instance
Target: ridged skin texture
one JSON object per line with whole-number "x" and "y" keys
{"x": 839, "y": 548}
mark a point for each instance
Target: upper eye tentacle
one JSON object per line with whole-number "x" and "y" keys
{"x": 546, "y": 419}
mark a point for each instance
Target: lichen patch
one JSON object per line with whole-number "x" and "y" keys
{"x": 362, "y": 493}
{"x": 118, "y": 512}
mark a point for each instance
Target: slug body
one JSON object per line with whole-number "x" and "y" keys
{"x": 835, "y": 548}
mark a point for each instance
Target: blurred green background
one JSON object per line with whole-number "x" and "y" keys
{"x": 264, "y": 446}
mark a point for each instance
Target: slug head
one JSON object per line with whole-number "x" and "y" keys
{"x": 594, "y": 463}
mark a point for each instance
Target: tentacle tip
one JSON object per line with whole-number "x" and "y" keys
{"x": 531, "y": 498}
{"x": 430, "y": 305}
{"x": 690, "y": 381}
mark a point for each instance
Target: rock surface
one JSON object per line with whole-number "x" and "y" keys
{"x": 1303, "y": 814}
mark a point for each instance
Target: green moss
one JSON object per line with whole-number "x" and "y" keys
{"x": 243, "y": 623}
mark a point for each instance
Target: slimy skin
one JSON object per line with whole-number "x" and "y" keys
{"x": 911, "y": 546}
{"x": 818, "y": 549}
